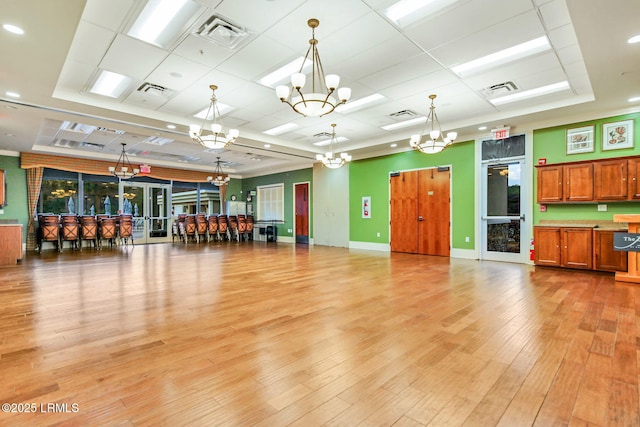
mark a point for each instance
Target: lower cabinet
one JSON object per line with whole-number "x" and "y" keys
{"x": 577, "y": 247}
{"x": 605, "y": 258}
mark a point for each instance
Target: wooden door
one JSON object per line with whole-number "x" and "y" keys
{"x": 610, "y": 179}
{"x": 578, "y": 182}
{"x": 404, "y": 212}
{"x": 433, "y": 211}
{"x": 302, "y": 212}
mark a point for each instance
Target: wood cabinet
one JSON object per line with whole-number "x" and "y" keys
{"x": 605, "y": 258}
{"x": 550, "y": 184}
{"x": 633, "y": 178}
{"x": 10, "y": 243}
{"x": 610, "y": 180}
{"x": 578, "y": 182}
{"x": 570, "y": 247}
{"x": 604, "y": 180}
{"x": 583, "y": 248}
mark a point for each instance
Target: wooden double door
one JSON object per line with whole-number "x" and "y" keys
{"x": 420, "y": 211}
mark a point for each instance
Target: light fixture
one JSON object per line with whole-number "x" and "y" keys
{"x": 435, "y": 141}
{"x": 539, "y": 91}
{"x": 219, "y": 178}
{"x": 217, "y": 140}
{"x": 329, "y": 159}
{"x": 320, "y": 101}
{"x": 123, "y": 168}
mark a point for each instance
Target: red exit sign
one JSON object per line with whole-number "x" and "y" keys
{"x": 145, "y": 169}
{"x": 501, "y": 133}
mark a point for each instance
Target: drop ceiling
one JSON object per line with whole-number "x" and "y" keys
{"x": 68, "y": 42}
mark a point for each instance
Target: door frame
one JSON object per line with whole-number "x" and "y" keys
{"x": 295, "y": 184}
{"x": 450, "y": 166}
{"x": 146, "y": 214}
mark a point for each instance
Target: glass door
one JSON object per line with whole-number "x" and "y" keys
{"x": 149, "y": 205}
{"x": 504, "y": 235}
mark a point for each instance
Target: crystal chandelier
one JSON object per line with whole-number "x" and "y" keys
{"x": 321, "y": 100}
{"x": 329, "y": 159}
{"x": 219, "y": 178}
{"x": 435, "y": 141}
{"x": 217, "y": 140}
{"x": 123, "y": 168}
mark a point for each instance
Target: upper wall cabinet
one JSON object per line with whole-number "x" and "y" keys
{"x": 590, "y": 181}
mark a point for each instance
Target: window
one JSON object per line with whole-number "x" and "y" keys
{"x": 271, "y": 202}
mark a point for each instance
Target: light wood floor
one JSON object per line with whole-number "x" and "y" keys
{"x": 257, "y": 334}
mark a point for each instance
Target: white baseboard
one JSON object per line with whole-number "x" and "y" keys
{"x": 384, "y": 247}
{"x": 463, "y": 253}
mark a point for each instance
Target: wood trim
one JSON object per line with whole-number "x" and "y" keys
{"x": 100, "y": 167}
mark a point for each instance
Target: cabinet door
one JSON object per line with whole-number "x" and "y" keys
{"x": 577, "y": 248}
{"x": 547, "y": 246}
{"x": 610, "y": 180}
{"x": 605, "y": 257}
{"x": 549, "y": 184}
{"x": 578, "y": 182}
{"x": 633, "y": 179}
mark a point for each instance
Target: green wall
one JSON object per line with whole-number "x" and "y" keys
{"x": 16, "y": 186}
{"x": 370, "y": 177}
{"x": 288, "y": 179}
{"x": 550, "y": 143}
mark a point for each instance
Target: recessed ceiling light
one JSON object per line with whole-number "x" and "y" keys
{"x": 267, "y": 146}
{"x": 634, "y": 39}
{"x": 405, "y": 124}
{"x": 13, "y": 94}
{"x": 504, "y": 56}
{"x": 539, "y": 91}
{"x": 171, "y": 126}
{"x": 13, "y": 29}
{"x": 278, "y": 130}
{"x": 634, "y": 99}
{"x": 482, "y": 128}
{"x": 394, "y": 145}
{"x": 161, "y": 20}
{"x": 414, "y": 9}
{"x": 110, "y": 84}
{"x": 272, "y": 79}
{"x": 352, "y": 105}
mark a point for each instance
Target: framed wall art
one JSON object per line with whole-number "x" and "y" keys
{"x": 580, "y": 140}
{"x": 617, "y": 135}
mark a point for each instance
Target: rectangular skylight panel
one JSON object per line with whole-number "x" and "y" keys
{"x": 110, "y": 84}
{"x": 161, "y": 20}
{"x": 359, "y": 103}
{"x": 405, "y": 12}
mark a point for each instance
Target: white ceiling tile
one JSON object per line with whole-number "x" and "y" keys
{"x": 555, "y": 14}
{"x": 263, "y": 13}
{"x": 202, "y": 51}
{"x": 256, "y": 59}
{"x": 398, "y": 73}
{"x": 109, "y": 14}
{"x": 90, "y": 44}
{"x": 177, "y": 73}
{"x": 124, "y": 57}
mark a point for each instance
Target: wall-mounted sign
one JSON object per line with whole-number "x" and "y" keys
{"x": 501, "y": 133}
{"x": 145, "y": 168}
{"x": 626, "y": 242}
{"x": 366, "y": 207}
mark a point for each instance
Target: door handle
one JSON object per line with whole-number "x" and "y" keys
{"x": 522, "y": 217}
{"x": 420, "y": 218}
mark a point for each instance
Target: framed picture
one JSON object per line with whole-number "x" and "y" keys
{"x": 580, "y": 140}
{"x": 617, "y": 135}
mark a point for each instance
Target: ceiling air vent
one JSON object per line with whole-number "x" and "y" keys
{"x": 220, "y": 31}
{"x": 65, "y": 143}
{"x": 92, "y": 146}
{"x": 500, "y": 89}
{"x": 154, "y": 90}
{"x": 403, "y": 113}
{"x": 322, "y": 135}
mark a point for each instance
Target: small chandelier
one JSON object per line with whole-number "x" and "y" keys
{"x": 320, "y": 101}
{"x": 123, "y": 168}
{"x": 218, "y": 140}
{"x": 219, "y": 178}
{"x": 435, "y": 141}
{"x": 329, "y": 159}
